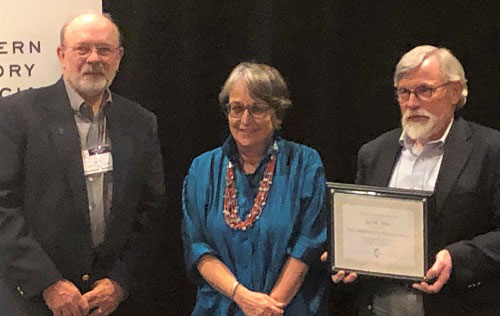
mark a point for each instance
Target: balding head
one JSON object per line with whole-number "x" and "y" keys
{"x": 106, "y": 18}
{"x": 90, "y": 54}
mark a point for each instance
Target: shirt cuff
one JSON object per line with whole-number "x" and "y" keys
{"x": 306, "y": 250}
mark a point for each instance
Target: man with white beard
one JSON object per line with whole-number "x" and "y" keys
{"x": 80, "y": 171}
{"x": 437, "y": 150}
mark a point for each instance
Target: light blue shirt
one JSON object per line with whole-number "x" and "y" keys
{"x": 418, "y": 170}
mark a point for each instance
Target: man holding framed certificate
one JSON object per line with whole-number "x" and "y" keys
{"x": 437, "y": 150}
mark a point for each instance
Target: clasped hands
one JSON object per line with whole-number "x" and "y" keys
{"x": 256, "y": 303}
{"x": 64, "y": 299}
{"x": 440, "y": 272}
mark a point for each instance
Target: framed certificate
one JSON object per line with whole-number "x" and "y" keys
{"x": 378, "y": 231}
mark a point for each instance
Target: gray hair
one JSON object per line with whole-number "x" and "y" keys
{"x": 451, "y": 68}
{"x": 62, "y": 33}
{"x": 264, "y": 83}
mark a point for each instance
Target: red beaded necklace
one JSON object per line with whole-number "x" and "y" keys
{"x": 230, "y": 210}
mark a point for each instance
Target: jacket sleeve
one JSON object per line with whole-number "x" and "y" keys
{"x": 24, "y": 263}
{"x": 476, "y": 258}
{"x": 362, "y": 166}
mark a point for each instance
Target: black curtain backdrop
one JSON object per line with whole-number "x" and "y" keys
{"x": 338, "y": 58}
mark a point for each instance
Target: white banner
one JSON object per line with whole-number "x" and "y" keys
{"x": 29, "y": 36}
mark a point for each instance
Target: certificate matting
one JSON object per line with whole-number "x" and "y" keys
{"x": 379, "y": 231}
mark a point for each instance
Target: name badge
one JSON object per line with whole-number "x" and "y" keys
{"x": 97, "y": 160}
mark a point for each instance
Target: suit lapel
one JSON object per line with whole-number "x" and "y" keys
{"x": 66, "y": 141}
{"x": 456, "y": 153}
{"x": 388, "y": 157}
{"x": 122, "y": 149}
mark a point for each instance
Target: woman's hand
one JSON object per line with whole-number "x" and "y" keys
{"x": 256, "y": 303}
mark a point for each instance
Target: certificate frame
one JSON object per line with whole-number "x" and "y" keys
{"x": 379, "y": 231}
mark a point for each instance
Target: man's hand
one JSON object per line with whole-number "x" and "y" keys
{"x": 64, "y": 299}
{"x": 340, "y": 275}
{"x": 441, "y": 270}
{"x": 257, "y": 304}
{"x": 104, "y": 298}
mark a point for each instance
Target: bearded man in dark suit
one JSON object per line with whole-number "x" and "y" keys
{"x": 437, "y": 150}
{"x": 80, "y": 169}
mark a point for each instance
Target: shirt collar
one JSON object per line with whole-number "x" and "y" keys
{"x": 407, "y": 142}
{"x": 76, "y": 100}
{"x": 230, "y": 149}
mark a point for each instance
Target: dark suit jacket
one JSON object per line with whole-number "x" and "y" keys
{"x": 466, "y": 220}
{"x": 44, "y": 216}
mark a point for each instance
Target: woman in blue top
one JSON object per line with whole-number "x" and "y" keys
{"x": 254, "y": 213}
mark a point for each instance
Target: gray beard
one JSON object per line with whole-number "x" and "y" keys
{"x": 416, "y": 131}
{"x": 420, "y": 131}
{"x": 92, "y": 88}
{"x": 87, "y": 87}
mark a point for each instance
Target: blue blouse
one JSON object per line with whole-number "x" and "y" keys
{"x": 292, "y": 223}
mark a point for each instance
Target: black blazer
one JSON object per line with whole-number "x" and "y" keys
{"x": 466, "y": 220}
{"x": 44, "y": 219}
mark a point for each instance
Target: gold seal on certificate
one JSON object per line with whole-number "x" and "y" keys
{"x": 378, "y": 231}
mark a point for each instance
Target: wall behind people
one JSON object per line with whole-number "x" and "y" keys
{"x": 29, "y": 35}
{"x": 338, "y": 58}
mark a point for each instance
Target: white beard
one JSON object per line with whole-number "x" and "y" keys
{"x": 90, "y": 86}
{"x": 420, "y": 131}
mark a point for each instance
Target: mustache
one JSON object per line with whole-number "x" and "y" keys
{"x": 93, "y": 68}
{"x": 419, "y": 112}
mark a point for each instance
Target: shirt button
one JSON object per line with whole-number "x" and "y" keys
{"x": 369, "y": 307}
{"x": 91, "y": 179}
{"x": 85, "y": 277}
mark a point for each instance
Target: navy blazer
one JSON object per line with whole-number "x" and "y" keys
{"x": 466, "y": 220}
{"x": 44, "y": 215}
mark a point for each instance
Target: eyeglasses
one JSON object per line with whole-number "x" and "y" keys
{"x": 86, "y": 50}
{"x": 422, "y": 92}
{"x": 257, "y": 110}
